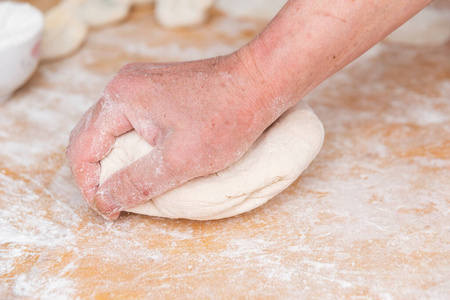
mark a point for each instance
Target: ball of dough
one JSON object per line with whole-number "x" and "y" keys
{"x": 256, "y": 9}
{"x": 430, "y": 27}
{"x": 63, "y": 34}
{"x": 97, "y": 13}
{"x": 140, "y": 2}
{"x": 271, "y": 164}
{"x": 181, "y": 13}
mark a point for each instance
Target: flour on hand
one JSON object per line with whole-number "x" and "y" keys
{"x": 271, "y": 164}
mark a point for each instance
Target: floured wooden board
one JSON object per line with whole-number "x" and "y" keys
{"x": 369, "y": 218}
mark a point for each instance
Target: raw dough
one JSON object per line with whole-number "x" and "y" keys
{"x": 180, "y": 13}
{"x": 140, "y": 2}
{"x": 98, "y": 12}
{"x": 256, "y": 9}
{"x": 63, "y": 34}
{"x": 430, "y": 27}
{"x": 272, "y": 163}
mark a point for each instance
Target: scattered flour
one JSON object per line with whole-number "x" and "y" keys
{"x": 360, "y": 207}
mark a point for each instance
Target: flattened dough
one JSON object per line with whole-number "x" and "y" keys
{"x": 180, "y": 13}
{"x": 98, "y": 12}
{"x": 63, "y": 34}
{"x": 256, "y": 9}
{"x": 272, "y": 163}
{"x": 140, "y": 2}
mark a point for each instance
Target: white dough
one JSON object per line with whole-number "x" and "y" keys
{"x": 98, "y": 12}
{"x": 63, "y": 34}
{"x": 272, "y": 163}
{"x": 140, "y": 2}
{"x": 430, "y": 27}
{"x": 257, "y": 9}
{"x": 180, "y": 13}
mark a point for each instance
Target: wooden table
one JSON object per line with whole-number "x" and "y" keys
{"x": 368, "y": 219}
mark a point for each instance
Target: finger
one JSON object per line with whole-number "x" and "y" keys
{"x": 91, "y": 141}
{"x": 144, "y": 179}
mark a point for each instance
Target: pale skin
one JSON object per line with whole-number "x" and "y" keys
{"x": 201, "y": 116}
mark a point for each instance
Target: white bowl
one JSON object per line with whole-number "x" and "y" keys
{"x": 21, "y": 28}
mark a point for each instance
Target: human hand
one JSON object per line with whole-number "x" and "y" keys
{"x": 199, "y": 116}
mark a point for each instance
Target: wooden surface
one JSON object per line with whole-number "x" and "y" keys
{"x": 368, "y": 219}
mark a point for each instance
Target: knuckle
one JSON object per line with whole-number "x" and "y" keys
{"x": 73, "y": 153}
{"x": 118, "y": 83}
{"x": 128, "y": 67}
{"x": 69, "y": 154}
{"x": 119, "y": 91}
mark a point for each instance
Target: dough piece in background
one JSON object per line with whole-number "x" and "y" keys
{"x": 430, "y": 27}
{"x": 255, "y": 9}
{"x": 271, "y": 164}
{"x": 141, "y": 2}
{"x": 63, "y": 34}
{"x": 181, "y": 13}
{"x": 97, "y": 13}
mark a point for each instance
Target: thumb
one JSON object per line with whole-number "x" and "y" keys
{"x": 144, "y": 179}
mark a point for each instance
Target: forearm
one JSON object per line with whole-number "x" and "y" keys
{"x": 309, "y": 40}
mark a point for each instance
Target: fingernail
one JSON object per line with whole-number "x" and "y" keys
{"x": 106, "y": 206}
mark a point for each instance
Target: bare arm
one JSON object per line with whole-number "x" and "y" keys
{"x": 202, "y": 116}
{"x": 308, "y": 41}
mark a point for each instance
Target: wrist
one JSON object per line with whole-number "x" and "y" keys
{"x": 266, "y": 89}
